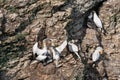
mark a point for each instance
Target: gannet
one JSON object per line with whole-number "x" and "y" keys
{"x": 39, "y": 51}
{"x": 41, "y": 54}
{"x": 93, "y": 16}
{"x": 57, "y": 51}
{"x": 96, "y": 54}
{"x": 73, "y": 48}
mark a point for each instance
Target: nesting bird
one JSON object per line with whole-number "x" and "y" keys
{"x": 41, "y": 54}
{"x": 94, "y": 17}
{"x": 73, "y": 48}
{"x": 38, "y": 51}
{"x": 57, "y": 51}
{"x": 97, "y": 53}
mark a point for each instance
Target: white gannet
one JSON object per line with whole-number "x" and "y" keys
{"x": 73, "y": 48}
{"x": 39, "y": 51}
{"x": 96, "y": 54}
{"x": 57, "y": 51}
{"x": 93, "y": 16}
{"x": 41, "y": 54}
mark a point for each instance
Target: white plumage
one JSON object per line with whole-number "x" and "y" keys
{"x": 96, "y": 54}
{"x": 41, "y": 57}
{"x": 41, "y": 53}
{"x": 94, "y": 17}
{"x": 97, "y": 20}
{"x": 57, "y": 51}
{"x": 73, "y": 48}
{"x": 35, "y": 48}
{"x": 62, "y": 46}
{"x": 38, "y": 51}
{"x": 56, "y": 56}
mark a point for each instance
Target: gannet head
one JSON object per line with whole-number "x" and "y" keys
{"x": 91, "y": 15}
{"x": 100, "y": 50}
{"x": 52, "y": 42}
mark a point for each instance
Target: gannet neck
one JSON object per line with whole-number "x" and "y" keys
{"x": 44, "y": 44}
{"x": 52, "y": 43}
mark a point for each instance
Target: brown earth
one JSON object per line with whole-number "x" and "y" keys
{"x": 20, "y": 23}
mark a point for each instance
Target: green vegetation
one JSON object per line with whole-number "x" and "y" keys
{"x": 3, "y": 1}
{"x": 13, "y": 49}
{"x": 11, "y": 9}
{"x": 11, "y": 52}
{"x": 19, "y": 37}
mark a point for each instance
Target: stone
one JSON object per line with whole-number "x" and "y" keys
{"x": 0, "y": 42}
{"x": 0, "y": 32}
{"x": 13, "y": 63}
{"x": 13, "y": 16}
{"x": 48, "y": 69}
{"x": 21, "y": 3}
{"x": 35, "y": 30}
{"x": 1, "y": 14}
{"x": 26, "y": 63}
{"x": 1, "y": 18}
{"x": 34, "y": 62}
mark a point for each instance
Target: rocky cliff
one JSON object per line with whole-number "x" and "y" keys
{"x": 21, "y": 21}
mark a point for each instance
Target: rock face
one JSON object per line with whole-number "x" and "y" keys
{"x": 23, "y": 22}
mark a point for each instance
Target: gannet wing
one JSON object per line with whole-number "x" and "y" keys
{"x": 72, "y": 47}
{"x": 97, "y": 20}
{"x": 61, "y": 47}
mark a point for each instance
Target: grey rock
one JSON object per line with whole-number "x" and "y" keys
{"x": 13, "y": 16}
{"x": 22, "y": 3}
